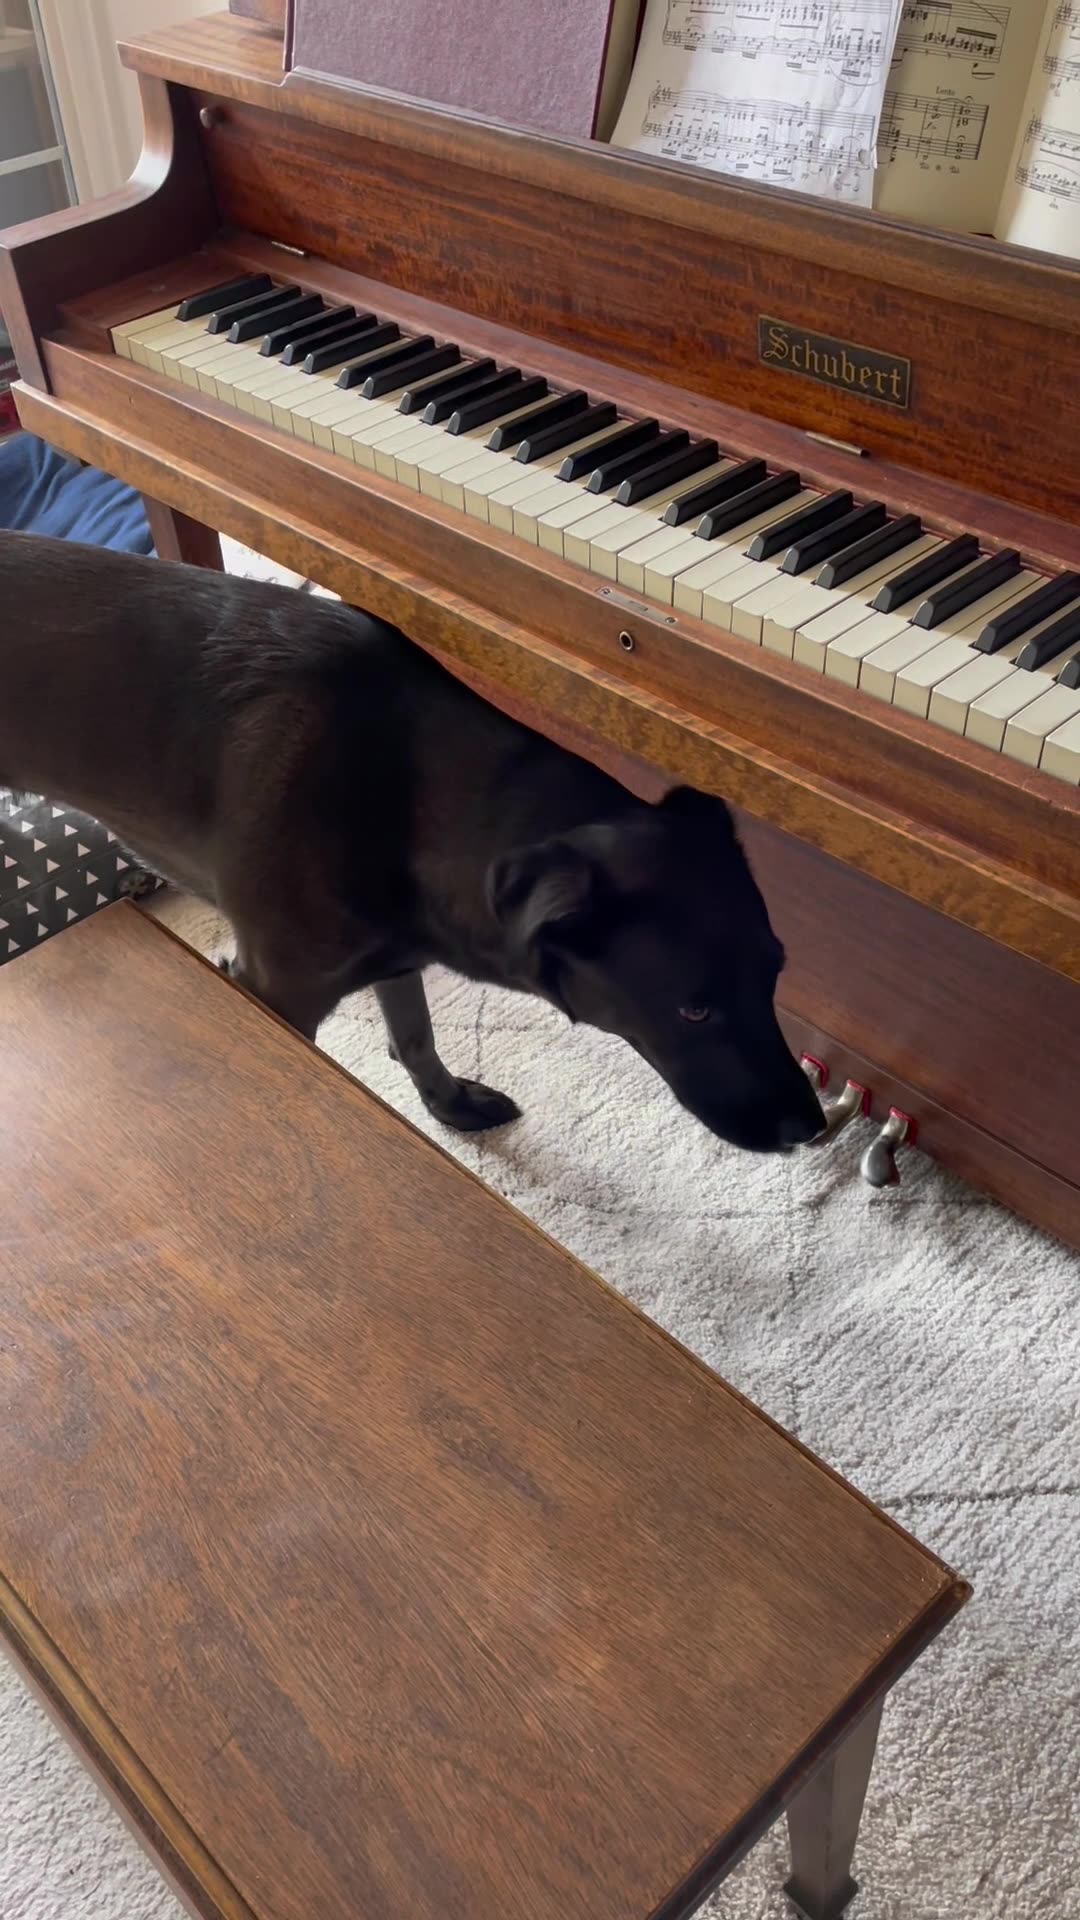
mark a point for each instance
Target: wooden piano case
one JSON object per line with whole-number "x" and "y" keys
{"x": 928, "y": 891}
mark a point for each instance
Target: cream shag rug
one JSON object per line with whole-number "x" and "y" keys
{"x": 923, "y": 1341}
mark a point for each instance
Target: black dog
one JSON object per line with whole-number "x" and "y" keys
{"x": 358, "y": 814}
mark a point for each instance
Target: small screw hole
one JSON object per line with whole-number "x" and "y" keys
{"x": 626, "y": 641}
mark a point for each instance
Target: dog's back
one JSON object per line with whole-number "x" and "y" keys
{"x": 124, "y": 680}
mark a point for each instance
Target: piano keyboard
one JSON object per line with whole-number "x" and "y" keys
{"x": 935, "y": 627}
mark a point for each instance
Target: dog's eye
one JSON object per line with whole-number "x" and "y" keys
{"x": 695, "y": 1014}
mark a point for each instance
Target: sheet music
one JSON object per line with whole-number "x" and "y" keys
{"x": 1041, "y": 203}
{"x": 784, "y": 91}
{"x": 954, "y": 99}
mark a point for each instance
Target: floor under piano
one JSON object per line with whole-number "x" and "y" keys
{"x": 922, "y": 1341}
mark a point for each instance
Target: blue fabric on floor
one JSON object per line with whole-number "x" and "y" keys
{"x": 42, "y": 491}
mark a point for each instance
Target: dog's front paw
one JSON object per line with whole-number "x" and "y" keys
{"x": 473, "y": 1108}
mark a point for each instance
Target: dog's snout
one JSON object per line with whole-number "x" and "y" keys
{"x": 798, "y": 1129}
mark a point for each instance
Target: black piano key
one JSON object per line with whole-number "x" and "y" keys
{"x": 925, "y": 573}
{"x": 198, "y": 305}
{"x": 417, "y": 367}
{"x": 301, "y": 313}
{"x": 1023, "y": 614}
{"x": 462, "y": 380}
{"x": 565, "y": 406}
{"x": 1070, "y": 673}
{"x": 330, "y": 336}
{"x": 681, "y": 465}
{"x": 748, "y": 504}
{"x": 815, "y": 547}
{"x": 1051, "y": 641}
{"x": 478, "y": 411}
{"x": 361, "y": 339}
{"x": 638, "y": 435}
{"x": 820, "y": 513}
{"x": 223, "y": 318}
{"x": 445, "y": 405}
{"x": 713, "y": 493}
{"x": 257, "y": 324}
{"x": 305, "y": 333}
{"x": 956, "y": 594}
{"x": 893, "y": 537}
{"x": 614, "y": 468}
{"x": 537, "y": 446}
{"x": 394, "y": 356}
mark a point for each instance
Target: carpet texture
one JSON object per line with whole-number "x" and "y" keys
{"x": 923, "y": 1341}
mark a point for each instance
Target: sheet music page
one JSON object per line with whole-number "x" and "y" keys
{"x": 788, "y": 92}
{"x": 1040, "y": 206}
{"x": 953, "y": 103}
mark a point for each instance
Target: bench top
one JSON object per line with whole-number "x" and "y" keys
{"x": 384, "y": 1562}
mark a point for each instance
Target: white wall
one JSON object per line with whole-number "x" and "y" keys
{"x": 97, "y": 97}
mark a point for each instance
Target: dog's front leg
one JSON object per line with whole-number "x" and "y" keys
{"x": 464, "y": 1104}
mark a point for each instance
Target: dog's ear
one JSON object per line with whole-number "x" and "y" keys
{"x": 542, "y": 892}
{"x": 699, "y": 809}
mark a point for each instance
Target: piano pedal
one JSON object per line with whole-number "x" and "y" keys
{"x": 838, "y": 1113}
{"x": 877, "y": 1164}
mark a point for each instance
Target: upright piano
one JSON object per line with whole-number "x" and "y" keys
{"x": 712, "y": 483}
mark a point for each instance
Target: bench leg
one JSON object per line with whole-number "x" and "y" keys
{"x": 823, "y": 1824}
{"x": 176, "y": 537}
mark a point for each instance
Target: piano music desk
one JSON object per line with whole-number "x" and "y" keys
{"x": 379, "y": 1559}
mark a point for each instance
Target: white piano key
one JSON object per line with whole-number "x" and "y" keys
{"x": 298, "y": 410}
{"x": 483, "y": 490}
{"x": 121, "y": 334}
{"x": 634, "y": 562}
{"x": 845, "y": 655}
{"x": 548, "y": 490}
{"x": 1061, "y": 753}
{"x": 748, "y": 615}
{"x": 718, "y": 601}
{"x": 989, "y": 715}
{"x": 681, "y": 575}
{"x": 637, "y": 524}
{"x": 147, "y": 349}
{"x": 424, "y": 465}
{"x": 951, "y": 700}
{"x": 1027, "y": 732}
{"x": 849, "y": 603}
{"x": 878, "y": 670}
{"x": 916, "y": 682}
{"x": 606, "y": 519}
{"x": 218, "y": 378}
{"x": 182, "y": 362}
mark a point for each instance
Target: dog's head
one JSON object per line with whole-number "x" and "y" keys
{"x": 651, "y": 926}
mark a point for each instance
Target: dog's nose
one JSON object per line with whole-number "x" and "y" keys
{"x": 796, "y": 1130}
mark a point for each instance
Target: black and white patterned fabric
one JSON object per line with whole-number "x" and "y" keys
{"x": 57, "y": 866}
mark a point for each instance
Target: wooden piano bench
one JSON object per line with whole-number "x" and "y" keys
{"x": 381, "y": 1561}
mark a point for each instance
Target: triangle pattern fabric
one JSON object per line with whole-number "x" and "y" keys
{"x": 56, "y": 867}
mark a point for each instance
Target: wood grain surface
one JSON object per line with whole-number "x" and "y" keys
{"x": 453, "y": 207}
{"x": 399, "y": 1563}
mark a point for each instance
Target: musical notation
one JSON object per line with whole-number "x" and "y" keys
{"x": 787, "y": 92}
{"x": 848, "y": 38}
{"x": 768, "y": 140}
{"x": 931, "y": 126}
{"x": 1061, "y": 61}
{"x": 952, "y": 30}
{"x": 1050, "y": 162}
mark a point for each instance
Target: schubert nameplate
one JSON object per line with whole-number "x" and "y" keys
{"x": 861, "y": 371}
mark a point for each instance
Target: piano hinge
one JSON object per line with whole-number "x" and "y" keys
{"x": 301, "y": 252}
{"x": 842, "y": 446}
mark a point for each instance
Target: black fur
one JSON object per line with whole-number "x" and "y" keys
{"x": 358, "y": 814}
